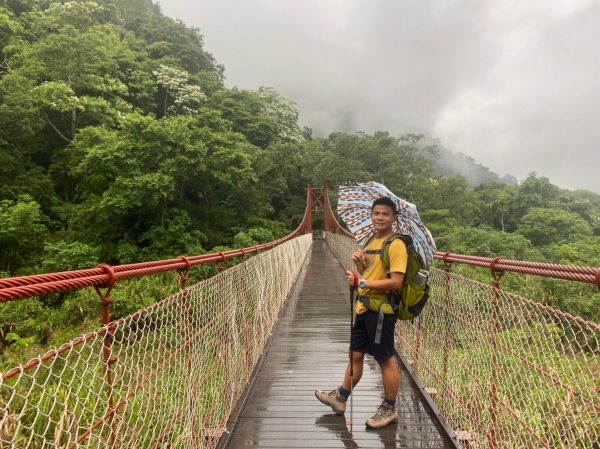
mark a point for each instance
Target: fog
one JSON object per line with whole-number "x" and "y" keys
{"x": 515, "y": 84}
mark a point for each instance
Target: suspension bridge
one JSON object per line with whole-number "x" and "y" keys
{"x": 232, "y": 361}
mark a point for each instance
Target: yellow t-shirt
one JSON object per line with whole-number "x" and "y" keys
{"x": 375, "y": 270}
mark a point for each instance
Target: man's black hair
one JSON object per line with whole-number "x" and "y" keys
{"x": 385, "y": 201}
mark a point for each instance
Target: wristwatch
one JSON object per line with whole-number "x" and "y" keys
{"x": 362, "y": 283}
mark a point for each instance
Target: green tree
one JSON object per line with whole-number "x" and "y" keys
{"x": 68, "y": 79}
{"x": 487, "y": 243}
{"x": 47, "y": 19}
{"x": 63, "y": 256}
{"x": 536, "y": 191}
{"x": 584, "y": 203}
{"x": 174, "y": 238}
{"x": 246, "y": 112}
{"x": 128, "y": 179}
{"x": 544, "y": 226}
{"x": 22, "y": 233}
{"x": 497, "y": 205}
{"x": 453, "y": 195}
{"x": 18, "y": 7}
{"x": 438, "y": 221}
{"x": 9, "y": 26}
{"x": 334, "y": 169}
{"x": 169, "y": 41}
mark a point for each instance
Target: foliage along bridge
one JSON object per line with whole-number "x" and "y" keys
{"x": 233, "y": 360}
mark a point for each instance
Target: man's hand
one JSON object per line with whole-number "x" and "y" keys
{"x": 358, "y": 257}
{"x": 352, "y": 279}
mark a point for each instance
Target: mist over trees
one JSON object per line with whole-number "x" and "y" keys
{"x": 449, "y": 163}
{"x": 120, "y": 143}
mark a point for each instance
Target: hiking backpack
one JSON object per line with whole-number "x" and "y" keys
{"x": 409, "y": 301}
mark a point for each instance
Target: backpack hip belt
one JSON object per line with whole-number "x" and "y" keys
{"x": 377, "y": 302}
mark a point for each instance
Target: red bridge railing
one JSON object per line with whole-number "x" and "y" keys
{"x": 167, "y": 375}
{"x": 504, "y": 370}
{"x": 105, "y": 276}
{"x": 588, "y": 275}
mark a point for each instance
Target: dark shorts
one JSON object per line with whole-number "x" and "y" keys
{"x": 363, "y": 335}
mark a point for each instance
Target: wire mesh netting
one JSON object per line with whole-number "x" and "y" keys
{"x": 166, "y": 376}
{"x": 509, "y": 371}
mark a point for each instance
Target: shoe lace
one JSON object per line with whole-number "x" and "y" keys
{"x": 381, "y": 412}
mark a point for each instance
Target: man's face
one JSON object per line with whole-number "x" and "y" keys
{"x": 382, "y": 218}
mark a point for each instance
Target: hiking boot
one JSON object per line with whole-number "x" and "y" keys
{"x": 385, "y": 414}
{"x": 333, "y": 399}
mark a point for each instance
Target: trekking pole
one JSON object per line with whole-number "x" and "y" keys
{"x": 351, "y": 356}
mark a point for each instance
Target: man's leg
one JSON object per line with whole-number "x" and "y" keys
{"x": 390, "y": 377}
{"x": 358, "y": 359}
{"x": 386, "y": 413}
{"x": 336, "y": 399}
{"x": 360, "y": 342}
{"x": 385, "y": 355}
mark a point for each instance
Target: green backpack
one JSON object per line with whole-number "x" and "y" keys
{"x": 409, "y": 301}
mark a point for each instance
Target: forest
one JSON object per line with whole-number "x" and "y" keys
{"x": 121, "y": 143}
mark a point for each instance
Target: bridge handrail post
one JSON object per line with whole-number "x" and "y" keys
{"x": 184, "y": 275}
{"x": 107, "y": 357}
{"x": 496, "y": 276}
{"x": 221, "y": 263}
{"x": 448, "y": 301}
{"x": 418, "y": 344}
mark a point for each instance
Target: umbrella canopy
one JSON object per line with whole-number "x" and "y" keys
{"x": 354, "y": 208}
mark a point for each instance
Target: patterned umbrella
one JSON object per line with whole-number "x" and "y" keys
{"x": 354, "y": 208}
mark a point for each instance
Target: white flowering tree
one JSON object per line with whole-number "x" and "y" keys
{"x": 180, "y": 97}
{"x": 283, "y": 111}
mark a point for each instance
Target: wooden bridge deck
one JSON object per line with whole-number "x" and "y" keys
{"x": 309, "y": 351}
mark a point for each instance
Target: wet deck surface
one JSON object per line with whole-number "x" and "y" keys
{"x": 309, "y": 351}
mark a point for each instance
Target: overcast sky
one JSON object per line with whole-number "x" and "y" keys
{"x": 514, "y": 84}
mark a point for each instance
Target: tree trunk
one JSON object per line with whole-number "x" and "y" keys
{"x": 73, "y": 124}
{"x": 56, "y": 130}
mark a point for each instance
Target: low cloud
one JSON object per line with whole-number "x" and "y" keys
{"x": 514, "y": 84}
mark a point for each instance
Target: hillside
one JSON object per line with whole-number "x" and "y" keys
{"x": 450, "y": 163}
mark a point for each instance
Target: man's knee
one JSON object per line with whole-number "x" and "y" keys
{"x": 388, "y": 363}
{"x": 358, "y": 357}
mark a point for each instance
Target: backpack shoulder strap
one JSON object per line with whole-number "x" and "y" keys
{"x": 369, "y": 240}
{"x": 385, "y": 252}
{"x": 371, "y": 251}
{"x": 385, "y": 256}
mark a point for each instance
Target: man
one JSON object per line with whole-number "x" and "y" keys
{"x": 366, "y": 337}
